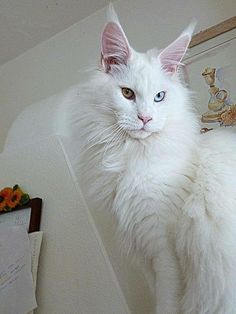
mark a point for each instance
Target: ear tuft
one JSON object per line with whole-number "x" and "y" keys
{"x": 172, "y": 56}
{"x": 111, "y": 14}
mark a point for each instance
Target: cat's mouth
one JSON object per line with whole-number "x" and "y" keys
{"x": 139, "y": 133}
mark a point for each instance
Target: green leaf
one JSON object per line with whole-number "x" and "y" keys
{"x": 24, "y": 199}
{"x": 15, "y": 187}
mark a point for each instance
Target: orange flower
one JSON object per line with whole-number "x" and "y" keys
{"x": 2, "y": 204}
{"x": 14, "y": 198}
{"x": 5, "y": 194}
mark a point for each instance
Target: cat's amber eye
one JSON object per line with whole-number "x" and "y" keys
{"x": 128, "y": 93}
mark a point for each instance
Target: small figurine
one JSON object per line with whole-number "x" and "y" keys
{"x": 205, "y": 130}
{"x": 217, "y": 103}
{"x": 228, "y": 118}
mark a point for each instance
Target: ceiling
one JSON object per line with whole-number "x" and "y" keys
{"x": 25, "y": 23}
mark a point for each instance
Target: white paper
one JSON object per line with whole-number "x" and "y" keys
{"x": 17, "y": 294}
{"x": 16, "y": 218}
{"x": 35, "y": 245}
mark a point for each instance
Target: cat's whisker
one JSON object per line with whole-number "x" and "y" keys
{"x": 104, "y": 139}
{"x": 112, "y": 139}
{"x": 106, "y": 108}
{"x": 93, "y": 138}
{"x": 119, "y": 136}
{"x": 115, "y": 139}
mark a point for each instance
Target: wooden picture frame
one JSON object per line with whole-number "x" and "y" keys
{"x": 28, "y": 215}
{"x": 213, "y": 32}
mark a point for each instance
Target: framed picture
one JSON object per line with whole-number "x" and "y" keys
{"x": 28, "y": 215}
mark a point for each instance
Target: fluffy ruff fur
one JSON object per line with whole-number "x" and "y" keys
{"x": 171, "y": 189}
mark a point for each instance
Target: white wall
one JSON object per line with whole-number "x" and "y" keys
{"x": 56, "y": 64}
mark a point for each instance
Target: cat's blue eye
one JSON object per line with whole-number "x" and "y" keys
{"x": 159, "y": 96}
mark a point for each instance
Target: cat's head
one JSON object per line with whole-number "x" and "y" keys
{"x": 143, "y": 87}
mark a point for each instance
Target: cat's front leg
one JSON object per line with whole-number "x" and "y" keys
{"x": 168, "y": 282}
{"x": 146, "y": 266}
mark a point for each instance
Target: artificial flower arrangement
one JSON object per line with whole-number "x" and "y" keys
{"x": 11, "y": 198}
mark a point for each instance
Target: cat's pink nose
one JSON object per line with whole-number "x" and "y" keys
{"x": 144, "y": 119}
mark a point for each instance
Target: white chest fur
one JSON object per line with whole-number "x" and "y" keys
{"x": 150, "y": 193}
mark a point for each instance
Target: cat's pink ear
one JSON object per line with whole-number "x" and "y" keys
{"x": 115, "y": 49}
{"x": 172, "y": 56}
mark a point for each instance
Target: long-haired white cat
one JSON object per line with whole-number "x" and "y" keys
{"x": 173, "y": 191}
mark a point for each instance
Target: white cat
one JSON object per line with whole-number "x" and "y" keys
{"x": 173, "y": 191}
